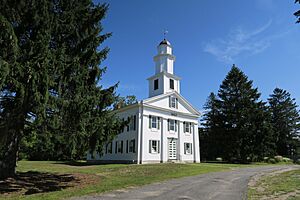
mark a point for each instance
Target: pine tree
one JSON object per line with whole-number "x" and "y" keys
{"x": 285, "y": 120}
{"x": 246, "y": 130}
{"x": 297, "y": 14}
{"x": 24, "y": 88}
{"x": 51, "y": 78}
{"x": 211, "y": 133}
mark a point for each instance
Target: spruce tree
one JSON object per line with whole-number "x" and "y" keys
{"x": 297, "y": 14}
{"x": 246, "y": 130}
{"x": 24, "y": 88}
{"x": 51, "y": 78}
{"x": 211, "y": 133}
{"x": 285, "y": 120}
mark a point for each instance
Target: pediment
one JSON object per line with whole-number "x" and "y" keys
{"x": 162, "y": 101}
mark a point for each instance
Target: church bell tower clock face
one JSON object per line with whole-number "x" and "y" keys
{"x": 164, "y": 80}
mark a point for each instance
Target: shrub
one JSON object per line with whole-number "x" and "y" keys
{"x": 266, "y": 159}
{"x": 297, "y": 161}
{"x": 285, "y": 159}
{"x": 219, "y": 159}
{"x": 278, "y": 158}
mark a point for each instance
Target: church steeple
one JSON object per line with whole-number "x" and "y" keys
{"x": 164, "y": 60}
{"x": 164, "y": 80}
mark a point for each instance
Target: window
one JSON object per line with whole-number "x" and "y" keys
{"x": 155, "y": 84}
{"x": 187, "y": 127}
{"x": 132, "y": 146}
{"x": 154, "y": 122}
{"x": 131, "y": 123}
{"x": 108, "y": 148}
{"x": 172, "y": 125}
{"x": 119, "y": 147}
{"x": 171, "y": 84}
{"x": 128, "y": 123}
{"x": 187, "y": 148}
{"x": 122, "y": 130}
{"x": 173, "y": 102}
{"x": 153, "y": 146}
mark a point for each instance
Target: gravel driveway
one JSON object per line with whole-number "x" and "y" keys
{"x": 230, "y": 185}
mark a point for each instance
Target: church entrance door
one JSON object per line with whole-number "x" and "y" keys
{"x": 172, "y": 149}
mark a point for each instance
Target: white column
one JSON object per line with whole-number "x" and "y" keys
{"x": 179, "y": 153}
{"x": 139, "y": 148}
{"x": 164, "y": 140}
{"x": 196, "y": 144}
{"x": 162, "y": 146}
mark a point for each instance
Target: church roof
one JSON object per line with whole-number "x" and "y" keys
{"x": 165, "y": 42}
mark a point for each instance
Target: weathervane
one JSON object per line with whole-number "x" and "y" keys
{"x": 165, "y": 33}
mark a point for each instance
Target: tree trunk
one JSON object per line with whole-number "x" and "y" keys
{"x": 8, "y": 159}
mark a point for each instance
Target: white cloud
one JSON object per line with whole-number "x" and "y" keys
{"x": 240, "y": 42}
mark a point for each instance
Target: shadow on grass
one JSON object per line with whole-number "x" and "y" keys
{"x": 74, "y": 163}
{"x": 36, "y": 182}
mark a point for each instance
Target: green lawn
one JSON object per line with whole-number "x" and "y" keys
{"x": 58, "y": 180}
{"x": 280, "y": 186}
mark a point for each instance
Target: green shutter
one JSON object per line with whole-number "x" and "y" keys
{"x": 127, "y": 146}
{"x": 158, "y": 123}
{"x": 133, "y": 148}
{"x": 176, "y": 103}
{"x": 150, "y": 121}
{"x": 168, "y": 124}
{"x": 158, "y": 146}
{"x": 184, "y": 127}
{"x": 128, "y": 121}
{"x": 134, "y": 122}
{"x": 116, "y": 147}
{"x": 122, "y": 146}
{"x": 150, "y": 146}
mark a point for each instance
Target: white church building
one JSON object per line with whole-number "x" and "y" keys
{"x": 162, "y": 128}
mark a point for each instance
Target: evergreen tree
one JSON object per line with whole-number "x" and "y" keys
{"x": 50, "y": 82}
{"x": 297, "y": 14}
{"x": 211, "y": 133}
{"x": 240, "y": 128}
{"x": 25, "y": 82}
{"x": 285, "y": 120}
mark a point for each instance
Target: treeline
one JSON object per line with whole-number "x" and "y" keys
{"x": 239, "y": 127}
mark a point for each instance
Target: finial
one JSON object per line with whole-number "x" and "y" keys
{"x": 165, "y": 33}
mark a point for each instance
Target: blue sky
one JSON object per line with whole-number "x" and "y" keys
{"x": 259, "y": 36}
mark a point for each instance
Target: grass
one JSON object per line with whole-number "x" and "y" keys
{"x": 58, "y": 180}
{"x": 285, "y": 185}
